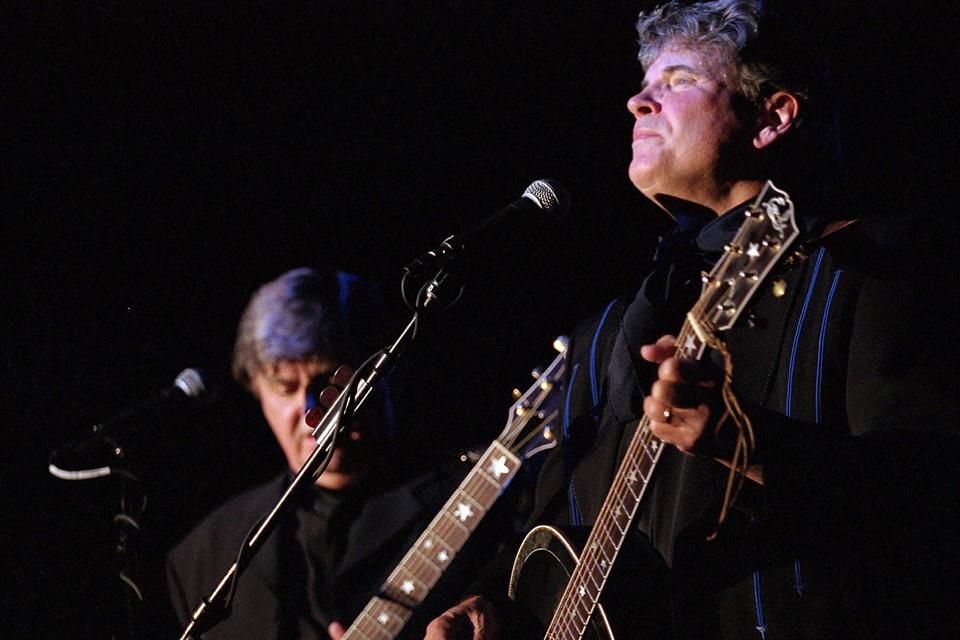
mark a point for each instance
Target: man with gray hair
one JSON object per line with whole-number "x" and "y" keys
{"x": 333, "y": 548}
{"x": 837, "y": 426}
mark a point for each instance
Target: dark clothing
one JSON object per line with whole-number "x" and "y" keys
{"x": 324, "y": 561}
{"x": 850, "y": 381}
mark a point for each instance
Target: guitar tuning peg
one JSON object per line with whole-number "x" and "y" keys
{"x": 560, "y": 343}
{"x": 516, "y": 393}
{"x": 470, "y": 456}
{"x": 779, "y": 288}
{"x": 536, "y": 373}
{"x": 796, "y": 258}
{"x": 754, "y": 321}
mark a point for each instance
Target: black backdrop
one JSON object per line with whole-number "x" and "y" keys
{"x": 161, "y": 160}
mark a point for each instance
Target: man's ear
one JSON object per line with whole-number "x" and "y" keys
{"x": 779, "y": 116}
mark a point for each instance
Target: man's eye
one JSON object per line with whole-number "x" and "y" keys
{"x": 682, "y": 80}
{"x": 285, "y": 389}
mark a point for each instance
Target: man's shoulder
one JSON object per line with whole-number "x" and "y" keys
{"x": 601, "y": 324}
{"x": 430, "y": 487}
{"x": 225, "y": 527}
{"x": 603, "y": 316}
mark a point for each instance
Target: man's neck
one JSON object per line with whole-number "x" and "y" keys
{"x": 717, "y": 202}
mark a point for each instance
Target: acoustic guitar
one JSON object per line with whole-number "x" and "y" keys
{"x": 546, "y": 555}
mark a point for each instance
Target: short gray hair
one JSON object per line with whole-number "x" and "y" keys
{"x": 730, "y": 27}
{"x": 297, "y": 316}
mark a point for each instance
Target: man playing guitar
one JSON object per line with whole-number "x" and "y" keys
{"x": 807, "y": 465}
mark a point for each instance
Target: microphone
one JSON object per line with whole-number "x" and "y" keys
{"x": 545, "y": 196}
{"x": 188, "y": 385}
{"x": 83, "y": 460}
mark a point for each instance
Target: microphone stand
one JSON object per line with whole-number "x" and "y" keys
{"x": 216, "y": 607}
{"x": 126, "y": 551}
{"x": 110, "y": 455}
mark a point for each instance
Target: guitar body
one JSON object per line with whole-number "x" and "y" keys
{"x": 541, "y": 571}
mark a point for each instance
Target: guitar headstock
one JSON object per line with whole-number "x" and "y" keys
{"x": 763, "y": 239}
{"x": 532, "y": 419}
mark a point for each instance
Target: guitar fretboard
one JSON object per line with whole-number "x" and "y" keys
{"x": 410, "y": 582}
{"x": 583, "y": 590}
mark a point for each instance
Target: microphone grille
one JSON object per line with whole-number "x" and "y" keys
{"x": 548, "y": 195}
{"x": 191, "y": 382}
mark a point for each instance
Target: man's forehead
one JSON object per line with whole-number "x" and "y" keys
{"x": 320, "y": 365}
{"x": 707, "y": 60}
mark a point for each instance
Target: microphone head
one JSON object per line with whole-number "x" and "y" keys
{"x": 549, "y": 196}
{"x": 191, "y": 382}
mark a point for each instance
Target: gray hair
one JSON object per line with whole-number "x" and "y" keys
{"x": 297, "y": 316}
{"x": 731, "y": 28}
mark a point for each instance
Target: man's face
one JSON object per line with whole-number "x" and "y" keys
{"x": 686, "y": 129}
{"x": 282, "y": 389}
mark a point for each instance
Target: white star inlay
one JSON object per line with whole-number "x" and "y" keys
{"x": 383, "y": 618}
{"x": 632, "y": 476}
{"x": 428, "y": 544}
{"x": 498, "y": 467}
{"x": 753, "y": 250}
{"x": 690, "y": 345}
{"x": 463, "y": 512}
{"x": 407, "y": 587}
{"x": 582, "y": 590}
{"x": 443, "y": 556}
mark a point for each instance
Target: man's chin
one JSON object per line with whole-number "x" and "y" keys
{"x": 643, "y": 181}
{"x": 338, "y": 480}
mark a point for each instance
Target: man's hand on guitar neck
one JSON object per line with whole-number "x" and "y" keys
{"x": 473, "y": 619}
{"x": 685, "y": 403}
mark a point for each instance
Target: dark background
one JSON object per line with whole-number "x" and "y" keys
{"x": 161, "y": 160}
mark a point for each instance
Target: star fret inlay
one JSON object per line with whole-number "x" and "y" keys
{"x": 463, "y": 512}
{"x": 498, "y": 467}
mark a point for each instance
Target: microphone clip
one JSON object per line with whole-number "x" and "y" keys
{"x": 542, "y": 196}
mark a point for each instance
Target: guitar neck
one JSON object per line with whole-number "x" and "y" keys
{"x": 614, "y": 520}
{"x": 411, "y": 581}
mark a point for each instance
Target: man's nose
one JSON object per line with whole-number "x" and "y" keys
{"x": 643, "y": 104}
